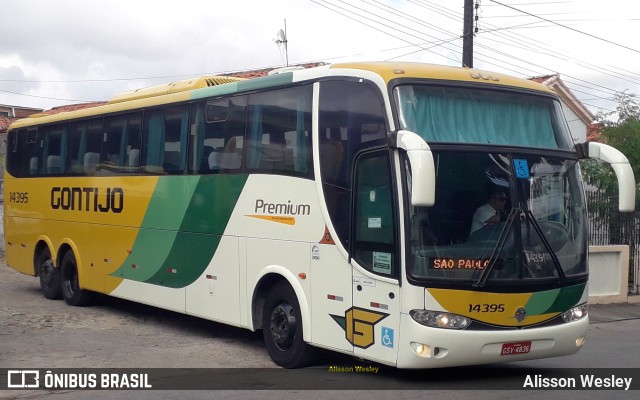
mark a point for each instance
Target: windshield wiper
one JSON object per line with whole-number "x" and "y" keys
{"x": 546, "y": 244}
{"x": 482, "y": 280}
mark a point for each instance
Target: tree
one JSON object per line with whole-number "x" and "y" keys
{"x": 624, "y": 135}
{"x": 620, "y": 129}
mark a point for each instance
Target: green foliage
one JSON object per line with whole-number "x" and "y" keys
{"x": 620, "y": 129}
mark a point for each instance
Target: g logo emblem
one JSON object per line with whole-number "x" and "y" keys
{"x": 358, "y": 325}
{"x": 521, "y": 314}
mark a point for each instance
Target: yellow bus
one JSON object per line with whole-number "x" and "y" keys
{"x": 342, "y": 207}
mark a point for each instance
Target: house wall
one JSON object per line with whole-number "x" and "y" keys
{"x": 577, "y": 127}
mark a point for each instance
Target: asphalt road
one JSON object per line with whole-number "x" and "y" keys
{"x": 36, "y": 333}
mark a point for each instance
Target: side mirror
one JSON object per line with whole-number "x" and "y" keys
{"x": 423, "y": 171}
{"x": 621, "y": 167}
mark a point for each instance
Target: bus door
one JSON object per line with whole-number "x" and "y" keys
{"x": 373, "y": 321}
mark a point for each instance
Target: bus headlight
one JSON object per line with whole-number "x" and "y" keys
{"x": 576, "y": 313}
{"x": 439, "y": 319}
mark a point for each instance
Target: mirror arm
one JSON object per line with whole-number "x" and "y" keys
{"x": 423, "y": 179}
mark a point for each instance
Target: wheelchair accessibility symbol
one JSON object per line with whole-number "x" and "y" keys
{"x": 387, "y": 337}
{"x": 522, "y": 168}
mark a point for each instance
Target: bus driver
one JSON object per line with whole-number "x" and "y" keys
{"x": 489, "y": 213}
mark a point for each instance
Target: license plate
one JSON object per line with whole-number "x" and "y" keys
{"x": 511, "y": 349}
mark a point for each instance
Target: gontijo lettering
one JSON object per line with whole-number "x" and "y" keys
{"x": 88, "y": 199}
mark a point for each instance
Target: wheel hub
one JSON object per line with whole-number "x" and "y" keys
{"x": 47, "y": 271}
{"x": 283, "y": 325}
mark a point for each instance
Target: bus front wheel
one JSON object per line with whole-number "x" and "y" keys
{"x": 71, "y": 292}
{"x": 49, "y": 275}
{"x": 282, "y": 328}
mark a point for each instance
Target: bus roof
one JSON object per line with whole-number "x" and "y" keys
{"x": 394, "y": 70}
{"x": 203, "y": 87}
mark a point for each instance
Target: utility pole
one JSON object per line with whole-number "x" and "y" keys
{"x": 467, "y": 35}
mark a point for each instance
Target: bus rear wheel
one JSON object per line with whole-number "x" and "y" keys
{"x": 49, "y": 275}
{"x": 71, "y": 292}
{"x": 282, "y": 328}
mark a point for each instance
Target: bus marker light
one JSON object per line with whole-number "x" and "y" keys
{"x": 423, "y": 350}
{"x": 379, "y": 305}
{"x": 334, "y": 297}
{"x": 134, "y": 266}
{"x": 172, "y": 270}
{"x": 302, "y": 275}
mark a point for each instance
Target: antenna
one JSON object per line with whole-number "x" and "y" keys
{"x": 282, "y": 39}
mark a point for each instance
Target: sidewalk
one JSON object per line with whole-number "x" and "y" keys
{"x": 599, "y": 313}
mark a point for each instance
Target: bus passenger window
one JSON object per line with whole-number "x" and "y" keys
{"x": 33, "y": 150}
{"x": 121, "y": 150}
{"x": 85, "y": 141}
{"x": 279, "y": 132}
{"x": 55, "y": 149}
{"x": 165, "y": 140}
{"x": 219, "y": 136}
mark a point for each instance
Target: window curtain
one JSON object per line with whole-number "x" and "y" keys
{"x": 255, "y": 138}
{"x": 300, "y": 158}
{"x": 198, "y": 143}
{"x": 63, "y": 149}
{"x": 467, "y": 119}
{"x": 184, "y": 131}
{"x": 155, "y": 140}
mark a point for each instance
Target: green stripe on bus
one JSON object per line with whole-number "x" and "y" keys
{"x": 204, "y": 223}
{"x": 243, "y": 86}
{"x": 159, "y": 227}
{"x": 568, "y": 297}
{"x": 540, "y": 302}
{"x": 555, "y": 300}
{"x": 176, "y": 256}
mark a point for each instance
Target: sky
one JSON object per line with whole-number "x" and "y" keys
{"x": 59, "y": 52}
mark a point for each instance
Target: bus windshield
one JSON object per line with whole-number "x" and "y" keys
{"x": 500, "y": 218}
{"x": 468, "y": 115}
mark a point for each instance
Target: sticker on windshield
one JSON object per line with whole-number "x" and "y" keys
{"x": 522, "y": 168}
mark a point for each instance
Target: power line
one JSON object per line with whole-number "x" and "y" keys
{"x": 368, "y": 19}
{"x": 44, "y": 97}
{"x": 568, "y": 27}
{"x": 377, "y": 22}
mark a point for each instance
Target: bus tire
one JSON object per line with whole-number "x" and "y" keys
{"x": 49, "y": 275}
{"x": 71, "y": 292}
{"x": 282, "y": 328}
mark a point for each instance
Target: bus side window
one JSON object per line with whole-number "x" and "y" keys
{"x": 13, "y": 155}
{"x": 351, "y": 118}
{"x": 165, "y": 140}
{"x": 220, "y": 135}
{"x": 121, "y": 149}
{"x": 55, "y": 150}
{"x": 373, "y": 224}
{"x": 279, "y": 132}
{"x": 32, "y": 158}
{"x": 84, "y": 147}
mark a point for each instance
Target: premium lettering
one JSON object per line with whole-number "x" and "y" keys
{"x": 87, "y": 199}
{"x": 282, "y": 208}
